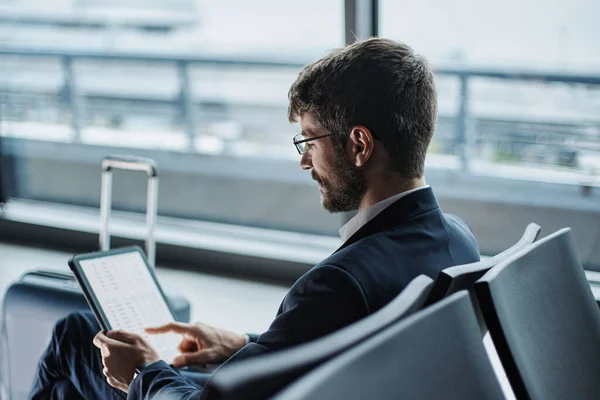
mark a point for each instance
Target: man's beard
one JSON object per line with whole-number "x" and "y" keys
{"x": 346, "y": 193}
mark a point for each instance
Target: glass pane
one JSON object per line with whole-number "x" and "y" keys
{"x": 539, "y": 121}
{"x": 533, "y": 33}
{"x": 204, "y": 79}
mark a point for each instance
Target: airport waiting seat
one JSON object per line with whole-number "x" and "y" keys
{"x": 543, "y": 320}
{"x": 436, "y": 353}
{"x": 264, "y": 375}
{"x": 463, "y": 277}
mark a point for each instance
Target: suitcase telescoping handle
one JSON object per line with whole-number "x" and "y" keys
{"x": 129, "y": 163}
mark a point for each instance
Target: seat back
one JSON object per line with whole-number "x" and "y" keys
{"x": 434, "y": 354}
{"x": 463, "y": 277}
{"x": 262, "y": 376}
{"x": 543, "y": 320}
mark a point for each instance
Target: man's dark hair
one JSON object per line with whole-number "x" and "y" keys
{"x": 377, "y": 83}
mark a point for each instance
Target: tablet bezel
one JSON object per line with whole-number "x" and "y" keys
{"x": 88, "y": 293}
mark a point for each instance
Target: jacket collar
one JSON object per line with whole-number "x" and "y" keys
{"x": 413, "y": 204}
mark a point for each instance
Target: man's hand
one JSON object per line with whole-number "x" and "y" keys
{"x": 122, "y": 352}
{"x": 202, "y": 344}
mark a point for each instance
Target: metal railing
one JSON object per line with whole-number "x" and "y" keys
{"x": 185, "y": 102}
{"x": 183, "y": 63}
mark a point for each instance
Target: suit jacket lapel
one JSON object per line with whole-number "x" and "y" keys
{"x": 408, "y": 206}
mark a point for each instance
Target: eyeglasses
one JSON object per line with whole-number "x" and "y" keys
{"x": 301, "y": 143}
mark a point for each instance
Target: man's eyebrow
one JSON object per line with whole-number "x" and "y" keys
{"x": 307, "y": 133}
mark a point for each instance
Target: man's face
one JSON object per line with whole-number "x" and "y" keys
{"x": 341, "y": 183}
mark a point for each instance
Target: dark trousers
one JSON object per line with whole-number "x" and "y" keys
{"x": 71, "y": 367}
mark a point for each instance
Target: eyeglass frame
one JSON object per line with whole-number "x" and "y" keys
{"x": 297, "y": 142}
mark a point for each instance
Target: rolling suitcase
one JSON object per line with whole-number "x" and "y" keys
{"x": 36, "y": 301}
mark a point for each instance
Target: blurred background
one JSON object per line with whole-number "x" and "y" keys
{"x": 201, "y": 87}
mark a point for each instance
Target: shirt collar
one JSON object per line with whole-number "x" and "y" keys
{"x": 364, "y": 216}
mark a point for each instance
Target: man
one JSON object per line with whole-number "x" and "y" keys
{"x": 367, "y": 113}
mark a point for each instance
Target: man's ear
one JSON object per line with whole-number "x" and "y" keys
{"x": 360, "y": 145}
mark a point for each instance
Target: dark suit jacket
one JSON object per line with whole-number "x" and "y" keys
{"x": 410, "y": 237}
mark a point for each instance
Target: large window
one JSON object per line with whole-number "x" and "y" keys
{"x": 201, "y": 87}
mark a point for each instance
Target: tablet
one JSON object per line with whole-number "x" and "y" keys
{"x": 123, "y": 292}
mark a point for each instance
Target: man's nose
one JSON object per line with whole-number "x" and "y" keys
{"x": 306, "y": 161}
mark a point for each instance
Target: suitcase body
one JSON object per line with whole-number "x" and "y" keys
{"x": 34, "y": 303}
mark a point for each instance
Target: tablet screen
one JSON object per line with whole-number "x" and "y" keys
{"x": 130, "y": 298}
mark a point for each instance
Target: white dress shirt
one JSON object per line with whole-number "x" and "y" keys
{"x": 364, "y": 216}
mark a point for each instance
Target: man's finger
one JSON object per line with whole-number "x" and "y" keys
{"x": 122, "y": 336}
{"x": 105, "y": 352}
{"x": 101, "y": 340}
{"x": 113, "y": 382}
{"x": 197, "y": 358}
{"x": 97, "y": 340}
{"x": 177, "y": 327}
